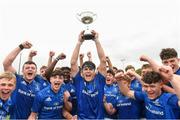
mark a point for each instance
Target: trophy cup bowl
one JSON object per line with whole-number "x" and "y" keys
{"x": 87, "y": 17}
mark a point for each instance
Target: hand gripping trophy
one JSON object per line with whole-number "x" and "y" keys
{"x": 87, "y": 17}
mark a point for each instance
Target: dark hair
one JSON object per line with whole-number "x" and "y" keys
{"x": 120, "y": 70}
{"x": 129, "y": 67}
{"x": 152, "y": 77}
{"x": 115, "y": 68}
{"x": 43, "y": 67}
{"x": 89, "y": 64}
{"x": 30, "y": 62}
{"x": 57, "y": 72}
{"x": 145, "y": 66}
{"x": 167, "y": 53}
{"x": 111, "y": 72}
{"x": 65, "y": 68}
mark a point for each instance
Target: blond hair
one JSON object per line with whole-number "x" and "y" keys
{"x": 8, "y": 75}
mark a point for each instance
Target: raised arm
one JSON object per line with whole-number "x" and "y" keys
{"x": 81, "y": 56}
{"x": 124, "y": 85}
{"x": 156, "y": 68}
{"x": 167, "y": 74}
{"x": 50, "y": 68}
{"x": 7, "y": 63}
{"x": 32, "y": 53}
{"x": 101, "y": 54}
{"x": 74, "y": 57}
{"x": 154, "y": 65}
{"x": 137, "y": 76}
{"x": 109, "y": 63}
{"x": 89, "y": 55}
{"x": 51, "y": 54}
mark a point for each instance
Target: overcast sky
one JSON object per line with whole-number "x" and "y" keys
{"x": 127, "y": 28}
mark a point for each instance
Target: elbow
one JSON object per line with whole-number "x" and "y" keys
{"x": 103, "y": 59}
{"x": 6, "y": 65}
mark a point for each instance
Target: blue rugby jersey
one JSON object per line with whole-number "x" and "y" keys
{"x": 176, "y": 112}
{"x": 110, "y": 92}
{"x": 135, "y": 85}
{"x": 6, "y": 107}
{"x": 44, "y": 83}
{"x": 90, "y": 96}
{"x": 159, "y": 108}
{"x": 23, "y": 96}
{"x": 128, "y": 108}
{"x": 69, "y": 86}
{"x": 48, "y": 104}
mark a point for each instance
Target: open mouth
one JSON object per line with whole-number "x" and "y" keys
{"x": 108, "y": 80}
{"x": 5, "y": 92}
{"x": 30, "y": 74}
{"x": 150, "y": 95}
{"x": 57, "y": 83}
{"x": 88, "y": 75}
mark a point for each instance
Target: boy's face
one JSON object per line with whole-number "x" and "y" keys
{"x": 153, "y": 90}
{"x": 172, "y": 62}
{"x": 29, "y": 71}
{"x": 42, "y": 71}
{"x": 145, "y": 70}
{"x": 66, "y": 74}
{"x": 88, "y": 73}
{"x": 109, "y": 79}
{"x": 56, "y": 82}
{"x": 6, "y": 88}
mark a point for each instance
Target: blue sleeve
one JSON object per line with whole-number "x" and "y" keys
{"x": 76, "y": 79}
{"x": 18, "y": 78}
{"x": 37, "y": 103}
{"x": 102, "y": 79}
{"x": 173, "y": 101}
{"x": 140, "y": 96}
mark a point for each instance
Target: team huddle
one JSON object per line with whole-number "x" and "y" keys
{"x": 87, "y": 91}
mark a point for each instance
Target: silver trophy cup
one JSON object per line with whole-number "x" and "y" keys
{"x": 87, "y": 17}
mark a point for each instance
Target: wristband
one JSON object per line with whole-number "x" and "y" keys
{"x": 21, "y": 46}
{"x": 57, "y": 59}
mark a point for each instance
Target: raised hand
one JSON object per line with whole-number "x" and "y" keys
{"x": 96, "y": 35}
{"x": 81, "y": 56}
{"x": 26, "y": 45}
{"x": 51, "y": 53}
{"x": 61, "y": 56}
{"x": 89, "y": 54}
{"x": 80, "y": 39}
{"x": 166, "y": 72}
{"x": 144, "y": 58}
{"x": 32, "y": 53}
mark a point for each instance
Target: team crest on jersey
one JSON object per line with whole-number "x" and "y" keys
{"x": 48, "y": 99}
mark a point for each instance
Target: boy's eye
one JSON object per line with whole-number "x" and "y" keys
{"x": 3, "y": 84}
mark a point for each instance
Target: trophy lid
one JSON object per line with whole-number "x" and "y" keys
{"x": 86, "y": 17}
